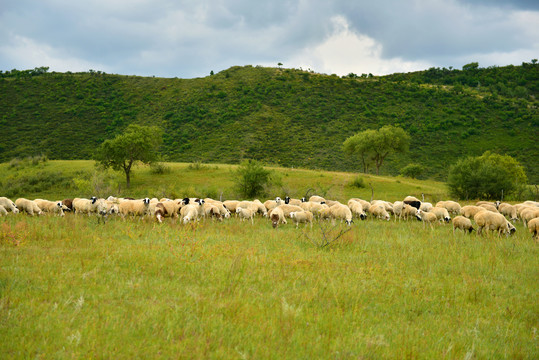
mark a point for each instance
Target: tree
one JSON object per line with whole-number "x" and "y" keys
{"x": 136, "y": 143}
{"x": 412, "y": 170}
{"x": 251, "y": 178}
{"x": 485, "y": 176}
{"x": 376, "y": 145}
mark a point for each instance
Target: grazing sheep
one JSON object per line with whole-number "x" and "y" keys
{"x": 50, "y": 206}
{"x": 366, "y": 205}
{"x": 493, "y": 221}
{"x": 441, "y": 213}
{"x": 223, "y": 211}
{"x": 160, "y": 211}
{"x": 531, "y": 203}
{"x": 410, "y": 212}
{"x": 27, "y": 206}
{"x": 341, "y": 212}
{"x": 529, "y": 214}
{"x": 8, "y": 205}
{"x": 231, "y": 205}
{"x": 489, "y": 207}
{"x": 469, "y": 211}
{"x": 211, "y": 210}
{"x": 191, "y": 210}
{"x": 452, "y": 207}
{"x": 302, "y": 217}
{"x": 508, "y": 210}
{"x": 428, "y": 217}
{"x": 465, "y": 224}
{"x": 3, "y": 211}
{"x": 379, "y": 212}
{"x": 246, "y": 213}
{"x": 272, "y": 204}
{"x": 426, "y": 206}
{"x": 317, "y": 199}
{"x": 495, "y": 204}
{"x": 398, "y": 206}
{"x": 260, "y": 207}
{"x": 533, "y": 227}
{"x": 139, "y": 207}
{"x": 357, "y": 209}
{"x": 386, "y": 204}
{"x": 277, "y": 217}
{"x": 412, "y": 201}
{"x": 89, "y": 206}
{"x": 287, "y": 209}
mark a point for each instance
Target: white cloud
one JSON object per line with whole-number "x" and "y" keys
{"x": 345, "y": 51}
{"x": 24, "y": 53}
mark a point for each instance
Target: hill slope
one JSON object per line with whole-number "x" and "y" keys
{"x": 280, "y": 116}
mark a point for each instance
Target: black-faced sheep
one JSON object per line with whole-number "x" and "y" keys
{"x": 341, "y": 212}
{"x": 357, "y": 209}
{"x": 50, "y": 206}
{"x": 139, "y": 207}
{"x": 441, "y": 213}
{"x": 412, "y": 201}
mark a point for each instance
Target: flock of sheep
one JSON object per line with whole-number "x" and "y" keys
{"x": 493, "y": 216}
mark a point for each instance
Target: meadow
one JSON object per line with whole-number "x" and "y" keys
{"x": 75, "y": 288}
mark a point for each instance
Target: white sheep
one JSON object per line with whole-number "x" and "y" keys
{"x": 379, "y": 212}
{"x": 386, "y": 204}
{"x": 3, "y": 211}
{"x": 246, "y": 213}
{"x": 528, "y": 214}
{"x": 357, "y": 209}
{"x": 50, "y": 206}
{"x": 341, "y": 212}
{"x": 428, "y": 217}
{"x": 317, "y": 199}
{"x": 409, "y": 211}
{"x": 302, "y": 217}
{"x": 277, "y": 217}
{"x": 469, "y": 211}
{"x": 89, "y": 206}
{"x": 8, "y": 205}
{"x": 287, "y": 209}
{"x": 366, "y": 205}
{"x": 451, "y": 206}
{"x": 441, "y": 213}
{"x": 231, "y": 205}
{"x": 272, "y": 204}
{"x": 426, "y": 206}
{"x": 140, "y": 207}
{"x": 508, "y": 210}
{"x": 489, "y": 207}
{"x": 313, "y": 207}
{"x": 493, "y": 221}
{"x": 212, "y": 211}
{"x": 191, "y": 210}
{"x": 460, "y": 222}
{"x": 28, "y": 206}
{"x": 533, "y": 227}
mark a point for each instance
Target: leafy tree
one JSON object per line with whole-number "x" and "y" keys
{"x": 376, "y": 145}
{"x": 485, "y": 176}
{"x": 412, "y": 170}
{"x": 136, "y": 143}
{"x": 251, "y": 178}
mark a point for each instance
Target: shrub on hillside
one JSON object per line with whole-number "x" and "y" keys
{"x": 412, "y": 170}
{"x": 251, "y": 178}
{"x": 486, "y": 177}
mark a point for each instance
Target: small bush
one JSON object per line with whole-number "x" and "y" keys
{"x": 159, "y": 169}
{"x": 412, "y": 170}
{"x": 197, "y": 165}
{"x": 358, "y": 182}
{"x": 251, "y": 178}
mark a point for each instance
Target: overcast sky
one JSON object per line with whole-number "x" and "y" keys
{"x": 190, "y": 38}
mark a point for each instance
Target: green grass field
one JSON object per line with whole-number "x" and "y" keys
{"x": 73, "y": 288}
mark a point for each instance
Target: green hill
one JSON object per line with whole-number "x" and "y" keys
{"x": 286, "y": 117}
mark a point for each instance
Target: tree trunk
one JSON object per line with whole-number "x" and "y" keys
{"x": 128, "y": 177}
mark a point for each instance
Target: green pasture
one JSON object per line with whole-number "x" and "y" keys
{"x": 73, "y": 288}
{"x": 59, "y": 179}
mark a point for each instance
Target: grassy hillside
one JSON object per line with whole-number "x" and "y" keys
{"x": 284, "y": 117}
{"x": 58, "y": 179}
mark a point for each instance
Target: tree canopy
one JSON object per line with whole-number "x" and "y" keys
{"x": 137, "y": 143}
{"x": 373, "y": 146}
{"x": 487, "y": 176}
